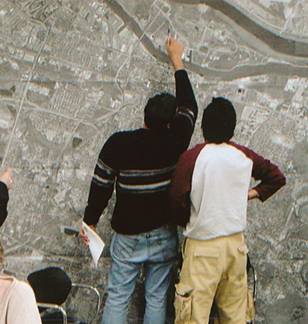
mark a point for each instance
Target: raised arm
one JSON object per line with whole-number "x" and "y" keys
{"x": 185, "y": 119}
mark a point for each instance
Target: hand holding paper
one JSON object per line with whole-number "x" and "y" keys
{"x": 95, "y": 243}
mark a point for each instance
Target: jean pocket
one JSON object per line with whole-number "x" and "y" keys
{"x": 123, "y": 246}
{"x": 183, "y": 304}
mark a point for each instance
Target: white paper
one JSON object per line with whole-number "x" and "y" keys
{"x": 96, "y": 244}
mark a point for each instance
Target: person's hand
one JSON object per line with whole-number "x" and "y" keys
{"x": 175, "y": 51}
{"x": 84, "y": 237}
{"x": 252, "y": 194}
{"x": 6, "y": 178}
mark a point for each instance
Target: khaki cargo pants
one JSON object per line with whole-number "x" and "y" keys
{"x": 213, "y": 270}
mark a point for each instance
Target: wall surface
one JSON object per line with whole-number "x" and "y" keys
{"x": 74, "y": 71}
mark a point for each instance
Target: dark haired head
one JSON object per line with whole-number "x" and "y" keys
{"x": 159, "y": 111}
{"x": 218, "y": 121}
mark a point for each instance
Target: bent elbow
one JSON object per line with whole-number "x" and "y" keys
{"x": 283, "y": 181}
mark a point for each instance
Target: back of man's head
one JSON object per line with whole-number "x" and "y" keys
{"x": 159, "y": 111}
{"x": 218, "y": 121}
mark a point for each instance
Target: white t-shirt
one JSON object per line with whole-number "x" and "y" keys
{"x": 220, "y": 185}
{"x": 17, "y": 302}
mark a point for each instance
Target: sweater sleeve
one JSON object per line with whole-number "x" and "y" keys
{"x": 4, "y": 198}
{"x": 272, "y": 179}
{"x": 22, "y": 306}
{"x": 184, "y": 121}
{"x": 102, "y": 184}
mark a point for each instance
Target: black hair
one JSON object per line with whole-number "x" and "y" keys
{"x": 218, "y": 121}
{"x": 159, "y": 111}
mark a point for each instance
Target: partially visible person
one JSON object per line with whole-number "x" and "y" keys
{"x": 6, "y": 183}
{"x": 17, "y": 300}
{"x": 209, "y": 195}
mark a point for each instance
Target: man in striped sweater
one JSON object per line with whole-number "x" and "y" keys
{"x": 209, "y": 192}
{"x": 139, "y": 163}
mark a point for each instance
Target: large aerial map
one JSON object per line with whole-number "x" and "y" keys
{"x": 72, "y": 72}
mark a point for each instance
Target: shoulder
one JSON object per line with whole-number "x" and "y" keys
{"x": 22, "y": 290}
{"x": 22, "y": 307}
{"x": 7, "y": 283}
{"x": 16, "y": 290}
{"x": 189, "y": 157}
{"x": 122, "y": 136}
{"x": 112, "y": 143}
{"x": 193, "y": 152}
{"x": 22, "y": 296}
{"x": 116, "y": 144}
{"x": 245, "y": 150}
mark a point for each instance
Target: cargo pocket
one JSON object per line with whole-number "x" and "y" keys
{"x": 183, "y": 304}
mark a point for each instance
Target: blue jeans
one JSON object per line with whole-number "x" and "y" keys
{"x": 156, "y": 251}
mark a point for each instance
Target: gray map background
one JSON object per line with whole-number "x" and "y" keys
{"x": 74, "y": 71}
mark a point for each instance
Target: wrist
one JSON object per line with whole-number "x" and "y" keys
{"x": 253, "y": 194}
{"x": 177, "y": 63}
{"x": 256, "y": 194}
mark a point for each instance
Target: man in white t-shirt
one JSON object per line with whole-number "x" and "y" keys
{"x": 209, "y": 194}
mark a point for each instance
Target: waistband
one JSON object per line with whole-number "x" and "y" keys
{"x": 166, "y": 229}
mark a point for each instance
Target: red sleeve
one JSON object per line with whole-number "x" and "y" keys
{"x": 181, "y": 186}
{"x": 272, "y": 179}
